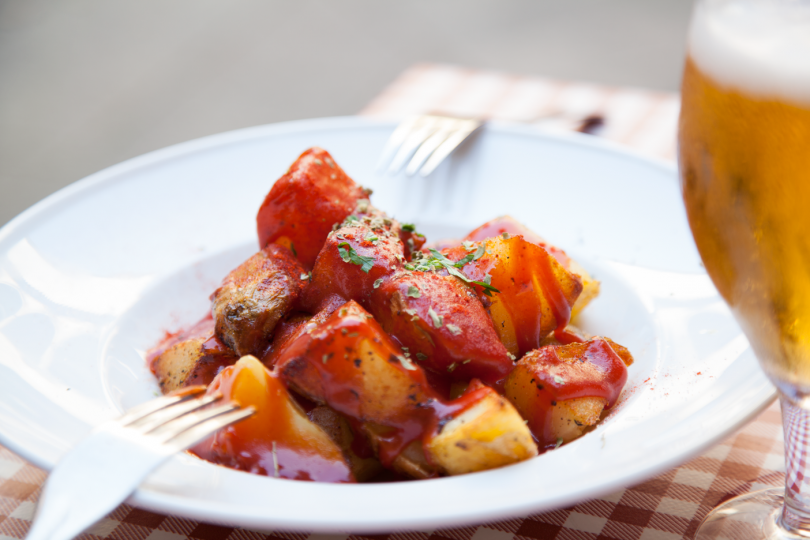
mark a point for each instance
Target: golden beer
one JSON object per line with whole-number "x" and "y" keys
{"x": 744, "y": 156}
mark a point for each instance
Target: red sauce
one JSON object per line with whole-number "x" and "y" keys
{"x": 515, "y": 267}
{"x": 562, "y": 372}
{"x": 560, "y": 305}
{"x": 302, "y": 205}
{"x": 329, "y": 363}
{"x": 508, "y": 224}
{"x": 271, "y": 442}
{"x": 203, "y": 327}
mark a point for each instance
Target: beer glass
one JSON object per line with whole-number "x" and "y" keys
{"x": 744, "y": 160}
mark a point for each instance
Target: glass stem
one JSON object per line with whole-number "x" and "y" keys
{"x": 796, "y": 425}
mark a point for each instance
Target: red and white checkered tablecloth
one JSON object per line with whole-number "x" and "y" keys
{"x": 667, "y": 507}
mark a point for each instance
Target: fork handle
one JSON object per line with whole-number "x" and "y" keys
{"x": 91, "y": 481}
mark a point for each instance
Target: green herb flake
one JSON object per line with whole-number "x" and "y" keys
{"x": 451, "y": 367}
{"x": 305, "y": 277}
{"x": 407, "y": 364}
{"x": 371, "y": 237}
{"x": 378, "y": 283}
{"x": 469, "y": 246}
{"x": 410, "y": 227}
{"x": 421, "y": 356}
{"x": 351, "y": 256}
{"x": 505, "y": 236}
{"x": 292, "y": 248}
{"x": 559, "y": 443}
{"x": 342, "y": 312}
{"x": 558, "y": 379}
{"x": 438, "y": 320}
{"x": 467, "y": 361}
{"x": 413, "y": 292}
{"x": 455, "y": 330}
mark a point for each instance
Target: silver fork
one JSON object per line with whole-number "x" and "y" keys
{"x": 106, "y": 467}
{"x": 426, "y": 140}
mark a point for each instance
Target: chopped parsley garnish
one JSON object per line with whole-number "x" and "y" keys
{"x": 505, "y": 235}
{"x": 511, "y": 356}
{"x": 455, "y": 330}
{"x": 437, "y": 261}
{"x": 292, "y": 248}
{"x": 407, "y": 364}
{"x": 378, "y": 282}
{"x": 559, "y": 443}
{"x": 421, "y": 356}
{"x": 351, "y": 256}
{"x": 305, "y": 277}
{"x": 412, "y": 313}
{"x": 451, "y": 367}
{"x": 413, "y": 292}
{"x": 371, "y": 237}
{"x": 438, "y": 320}
{"x": 410, "y": 227}
{"x": 558, "y": 379}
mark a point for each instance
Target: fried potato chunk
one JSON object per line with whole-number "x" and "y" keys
{"x": 561, "y": 390}
{"x": 190, "y": 359}
{"x": 254, "y": 297}
{"x": 355, "y": 258}
{"x": 509, "y": 225}
{"x": 279, "y": 439}
{"x": 487, "y": 434}
{"x": 535, "y": 292}
{"x": 302, "y": 205}
{"x": 363, "y": 463}
{"x": 349, "y": 363}
{"x": 443, "y": 324}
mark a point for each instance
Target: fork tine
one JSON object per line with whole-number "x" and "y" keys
{"x": 202, "y": 430}
{"x": 396, "y": 139}
{"x": 172, "y": 429}
{"x": 145, "y": 409}
{"x": 158, "y": 418}
{"x": 455, "y": 139}
{"x": 446, "y": 127}
{"x": 420, "y": 133}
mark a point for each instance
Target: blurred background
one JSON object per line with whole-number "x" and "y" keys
{"x": 85, "y": 84}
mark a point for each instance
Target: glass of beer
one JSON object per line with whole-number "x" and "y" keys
{"x": 744, "y": 160}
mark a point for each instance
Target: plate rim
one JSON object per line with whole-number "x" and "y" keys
{"x": 178, "y": 504}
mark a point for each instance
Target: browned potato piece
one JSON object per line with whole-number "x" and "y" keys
{"x": 191, "y": 362}
{"x": 410, "y": 462}
{"x": 570, "y": 418}
{"x": 254, "y": 297}
{"x": 349, "y": 363}
{"x": 278, "y": 439}
{"x": 562, "y": 389}
{"x": 512, "y": 227}
{"x": 590, "y": 288}
{"x": 339, "y": 430}
{"x": 486, "y": 435}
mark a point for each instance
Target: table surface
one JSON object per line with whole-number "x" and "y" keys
{"x": 666, "y": 507}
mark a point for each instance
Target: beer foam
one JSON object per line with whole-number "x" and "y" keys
{"x": 759, "y": 47}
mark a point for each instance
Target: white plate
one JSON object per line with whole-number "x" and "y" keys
{"x": 93, "y": 276}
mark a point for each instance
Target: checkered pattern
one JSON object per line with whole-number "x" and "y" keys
{"x": 667, "y": 507}
{"x": 644, "y": 120}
